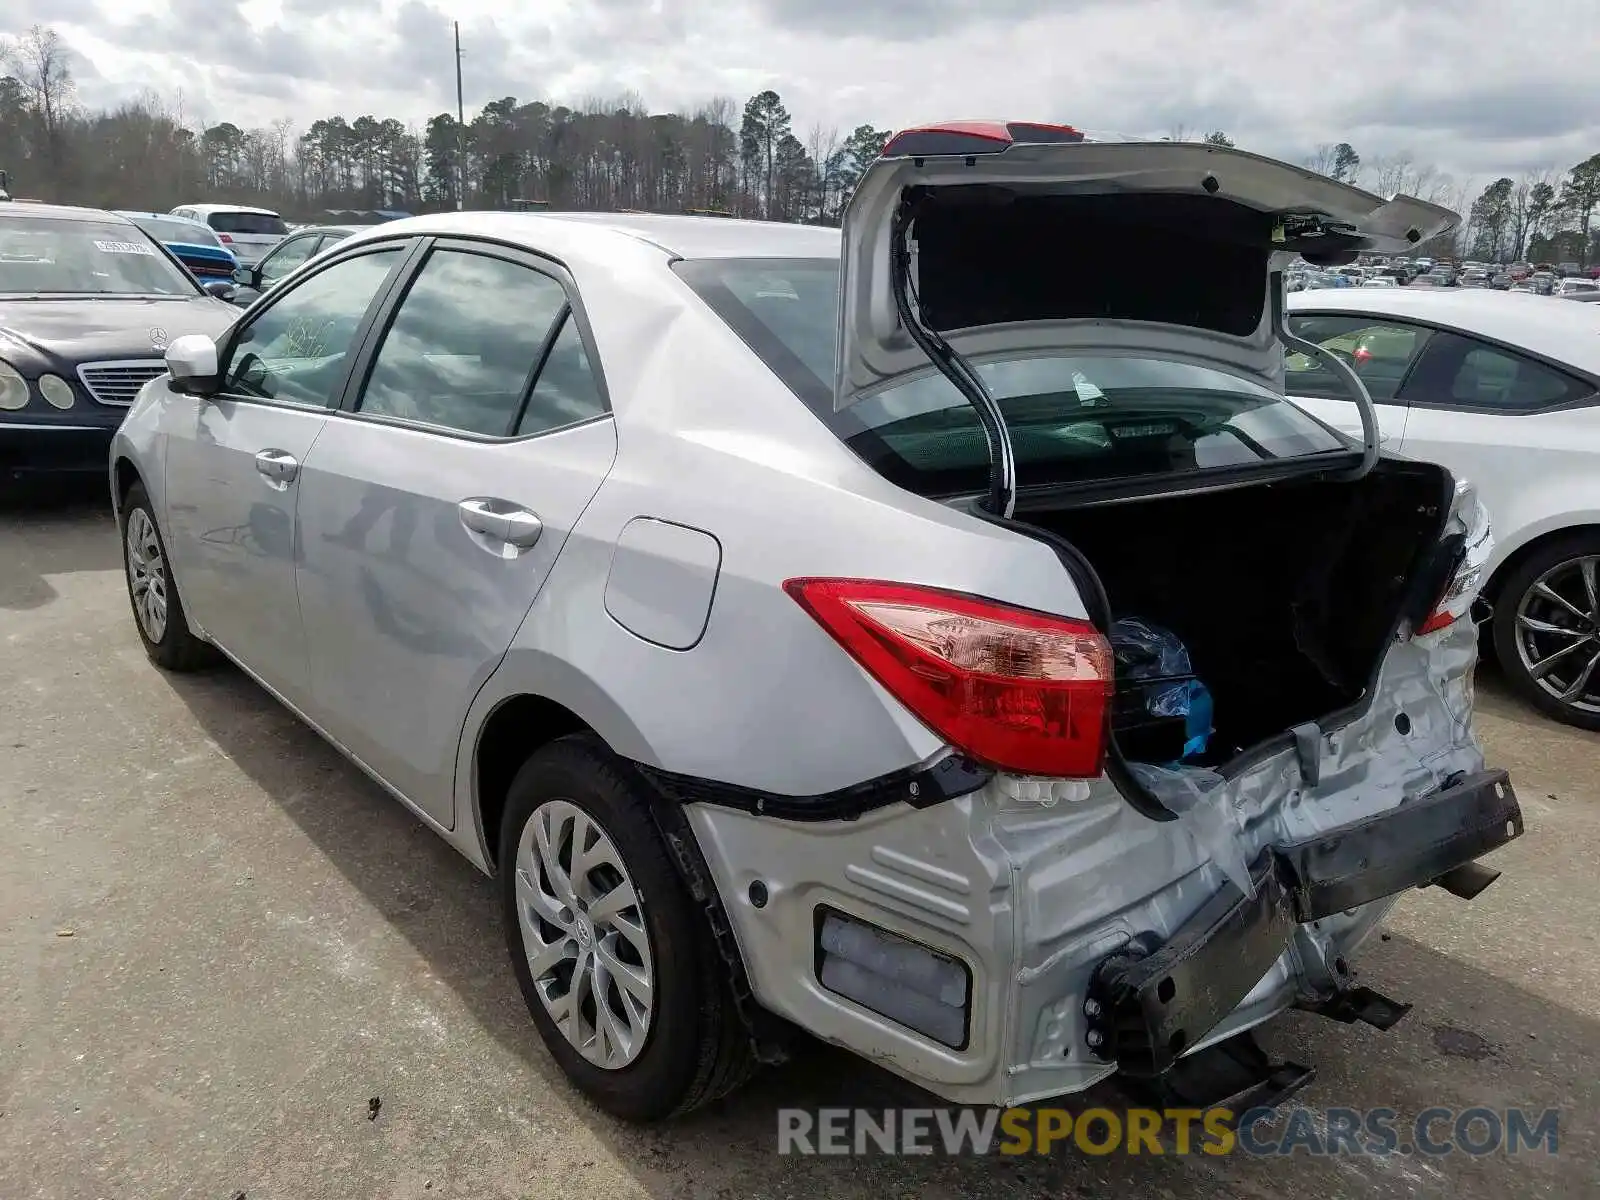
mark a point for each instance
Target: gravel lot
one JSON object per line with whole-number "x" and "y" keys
{"x": 218, "y": 942}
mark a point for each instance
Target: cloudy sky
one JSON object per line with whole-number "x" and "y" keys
{"x": 1478, "y": 87}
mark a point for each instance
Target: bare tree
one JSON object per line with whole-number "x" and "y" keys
{"x": 1321, "y": 160}
{"x": 38, "y": 59}
{"x": 1395, "y": 174}
{"x": 1530, "y": 200}
{"x": 822, "y": 144}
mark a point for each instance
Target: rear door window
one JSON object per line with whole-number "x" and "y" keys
{"x": 247, "y": 223}
{"x": 1380, "y": 351}
{"x": 566, "y": 389}
{"x": 1464, "y": 373}
{"x": 464, "y": 346}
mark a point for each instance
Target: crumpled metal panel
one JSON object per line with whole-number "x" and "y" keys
{"x": 1032, "y": 882}
{"x": 1092, "y": 874}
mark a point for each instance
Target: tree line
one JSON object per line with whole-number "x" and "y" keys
{"x": 746, "y": 160}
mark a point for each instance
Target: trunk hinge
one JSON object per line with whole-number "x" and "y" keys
{"x": 1002, "y": 498}
{"x": 1341, "y": 369}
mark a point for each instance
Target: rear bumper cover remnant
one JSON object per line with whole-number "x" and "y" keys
{"x": 1149, "y": 1003}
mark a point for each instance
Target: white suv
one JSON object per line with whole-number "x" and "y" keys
{"x": 248, "y": 232}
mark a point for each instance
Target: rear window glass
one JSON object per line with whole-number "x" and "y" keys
{"x": 1073, "y": 418}
{"x": 245, "y": 222}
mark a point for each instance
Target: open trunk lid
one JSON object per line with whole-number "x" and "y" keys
{"x": 1029, "y": 239}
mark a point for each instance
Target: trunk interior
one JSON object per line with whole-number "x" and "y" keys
{"x": 1285, "y": 595}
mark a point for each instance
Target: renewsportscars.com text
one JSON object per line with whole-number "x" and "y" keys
{"x": 1433, "y": 1132}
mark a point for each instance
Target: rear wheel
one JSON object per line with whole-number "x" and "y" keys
{"x": 1547, "y": 629}
{"x": 614, "y": 959}
{"x": 157, "y": 610}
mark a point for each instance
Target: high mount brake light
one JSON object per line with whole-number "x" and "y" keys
{"x": 1018, "y": 690}
{"x": 976, "y": 137}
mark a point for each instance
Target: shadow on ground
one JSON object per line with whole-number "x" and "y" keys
{"x": 52, "y": 529}
{"x": 1523, "y": 1049}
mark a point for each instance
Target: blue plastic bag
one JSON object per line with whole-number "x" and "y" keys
{"x": 1149, "y": 652}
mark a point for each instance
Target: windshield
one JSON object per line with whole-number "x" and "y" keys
{"x": 247, "y": 223}
{"x": 1074, "y": 418}
{"x": 172, "y": 229}
{"x": 51, "y": 256}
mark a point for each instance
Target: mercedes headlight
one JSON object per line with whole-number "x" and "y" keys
{"x": 13, "y": 388}
{"x": 56, "y": 390}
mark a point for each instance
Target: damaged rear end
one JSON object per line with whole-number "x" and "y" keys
{"x": 1177, "y": 813}
{"x": 1291, "y": 671}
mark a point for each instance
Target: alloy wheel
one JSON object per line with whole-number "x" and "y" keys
{"x": 583, "y": 929}
{"x": 147, "y": 574}
{"x": 1558, "y": 633}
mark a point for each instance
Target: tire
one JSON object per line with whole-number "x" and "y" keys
{"x": 1561, "y": 565}
{"x": 148, "y": 571}
{"x": 691, "y": 1046}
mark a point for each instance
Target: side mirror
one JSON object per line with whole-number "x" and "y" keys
{"x": 192, "y": 365}
{"x": 222, "y": 289}
{"x": 249, "y": 277}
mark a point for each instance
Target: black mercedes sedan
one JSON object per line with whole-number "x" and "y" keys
{"x": 88, "y": 304}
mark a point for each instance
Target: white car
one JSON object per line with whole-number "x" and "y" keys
{"x": 1379, "y": 281}
{"x": 248, "y": 232}
{"x": 1572, "y": 287}
{"x": 1507, "y": 394}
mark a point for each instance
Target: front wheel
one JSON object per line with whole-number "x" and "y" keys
{"x": 615, "y": 961}
{"x": 157, "y": 610}
{"x": 1547, "y": 629}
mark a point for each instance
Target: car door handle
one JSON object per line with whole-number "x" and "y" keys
{"x": 523, "y": 528}
{"x": 278, "y": 465}
{"x": 501, "y": 521}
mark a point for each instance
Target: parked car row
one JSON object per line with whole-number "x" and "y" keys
{"x": 90, "y": 300}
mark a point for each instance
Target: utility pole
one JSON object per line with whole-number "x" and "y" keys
{"x": 461, "y": 129}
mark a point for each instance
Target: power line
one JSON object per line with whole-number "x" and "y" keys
{"x": 461, "y": 129}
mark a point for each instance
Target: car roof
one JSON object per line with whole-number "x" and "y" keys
{"x": 678, "y": 236}
{"x": 63, "y": 212}
{"x": 157, "y": 216}
{"x": 1554, "y": 329}
{"x": 232, "y": 208}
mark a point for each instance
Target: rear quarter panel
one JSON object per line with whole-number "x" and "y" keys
{"x": 1536, "y": 474}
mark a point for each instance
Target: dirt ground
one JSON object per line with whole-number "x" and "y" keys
{"x": 219, "y": 942}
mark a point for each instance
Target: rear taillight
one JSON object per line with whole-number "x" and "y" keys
{"x": 1467, "y": 582}
{"x": 225, "y": 239}
{"x": 1019, "y": 690}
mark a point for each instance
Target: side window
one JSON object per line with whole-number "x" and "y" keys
{"x": 1462, "y": 372}
{"x": 464, "y": 343}
{"x": 286, "y": 258}
{"x": 565, "y": 390}
{"x": 294, "y": 352}
{"x": 1380, "y": 352}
